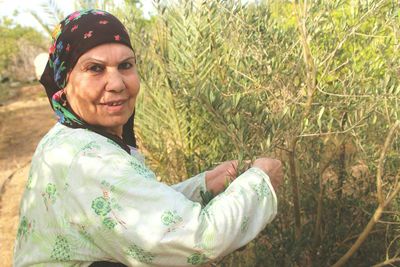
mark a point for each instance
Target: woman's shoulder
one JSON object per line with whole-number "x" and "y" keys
{"x": 66, "y": 139}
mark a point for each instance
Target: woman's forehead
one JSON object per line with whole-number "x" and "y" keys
{"x": 108, "y": 52}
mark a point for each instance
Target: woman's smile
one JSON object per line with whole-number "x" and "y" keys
{"x": 115, "y": 106}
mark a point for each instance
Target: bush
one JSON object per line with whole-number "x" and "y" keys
{"x": 314, "y": 84}
{"x": 20, "y": 46}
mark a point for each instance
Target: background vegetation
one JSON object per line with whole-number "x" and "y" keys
{"x": 314, "y": 83}
{"x": 18, "y": 49}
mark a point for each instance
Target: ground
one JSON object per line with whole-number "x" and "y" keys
{"x": 24, "y": 119}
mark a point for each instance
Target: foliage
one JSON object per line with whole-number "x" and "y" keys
{"x": 313, "y": 83}
{"x": 19, "y": 47}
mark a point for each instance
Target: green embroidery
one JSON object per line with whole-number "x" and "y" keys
{"x": 105, "y": 183}
{"x": 49, "y": 139}
{"x": 88, "y": 148}
{"x": 66, "y": 186}
{"x": 111, "y": 189}
{"x": 197, "y": 259}
{"x": 140, "y": 254}
{"x": 24, "y": 228}
{"x": 101, "y": 206}
{"x": 29, "y": 182}
{"x": 51, "y": 190}
{"x": 86, "y": 236}
{"x": 109, "y": 223}
{"x": 113, "y": 143}
{"x": 108, "y": 185}
{"x": 245, "y": 224}
{"x": 140, "y": 168}
{"x": 105, "y": 204}
{"x": 115, "y": 205}
{"x": 49, "y": 194}
{"x": 170, "y": 217}
{"x": 61, "y": 250}
{"x": 262, "y": 189}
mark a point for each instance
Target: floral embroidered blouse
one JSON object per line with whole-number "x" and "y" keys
{"x": 87, "y": 200}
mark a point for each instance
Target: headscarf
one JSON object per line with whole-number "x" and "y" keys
{"x": 74, "y": 36}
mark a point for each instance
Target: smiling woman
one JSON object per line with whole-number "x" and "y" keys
{"x": 91, "y": 201}
{"x": 103, "y": 85}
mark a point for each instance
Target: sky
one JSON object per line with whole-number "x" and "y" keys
{"x": 8, "y": 7}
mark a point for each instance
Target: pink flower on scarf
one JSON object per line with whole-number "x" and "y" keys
{"x": 57, "y": 96}
{"x": 73, "y": 15}
{"x": 88, "y": 35}
{"x": 74, "y": 28}
{"x": 52, "y": 48}
{"x": 103, "y": 22}
{"x": 117, "y": 37}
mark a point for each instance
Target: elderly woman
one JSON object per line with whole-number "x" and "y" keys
{"x": 90, "y": 198}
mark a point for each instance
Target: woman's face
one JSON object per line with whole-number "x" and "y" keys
{"x": 103, "y": 85}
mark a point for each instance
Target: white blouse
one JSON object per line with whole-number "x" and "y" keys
{"x": 87, "y": 200}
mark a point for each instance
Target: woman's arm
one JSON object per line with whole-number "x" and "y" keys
{"x": 215, "y": 181}
{"x": 137, "y": 220}
{"x": 192, "y": 187}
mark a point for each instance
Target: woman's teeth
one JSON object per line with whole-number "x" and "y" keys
{"x": 115, "y": 103}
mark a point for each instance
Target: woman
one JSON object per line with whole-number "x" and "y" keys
{"x": 89, "y": 197}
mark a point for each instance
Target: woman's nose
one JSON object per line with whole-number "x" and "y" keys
{"x": 115, "y": 81}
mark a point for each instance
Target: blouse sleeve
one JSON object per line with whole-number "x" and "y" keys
{"x": 135, "y": 220}
{"x": 192, "y": 187}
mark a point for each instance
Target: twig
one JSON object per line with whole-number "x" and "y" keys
{"x": 295, "y": 188}
{"x": 387, "y": 262}
{"x": 379, "y": 173}
{"x": 382, "y": 203}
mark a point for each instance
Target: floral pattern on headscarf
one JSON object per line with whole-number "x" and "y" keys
{"x": 76, "y": 28}
{"x": 63, "y": 114}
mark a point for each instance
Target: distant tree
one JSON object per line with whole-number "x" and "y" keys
{"x": 19, "y": 47}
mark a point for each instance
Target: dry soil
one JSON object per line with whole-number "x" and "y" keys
{"x": 24, "y": 120}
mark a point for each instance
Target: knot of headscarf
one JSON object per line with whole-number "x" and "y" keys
{"x": 75, "y": 35}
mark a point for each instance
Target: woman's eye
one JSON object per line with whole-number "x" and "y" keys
{"x": 96, "y": 68}
{"x": 125, "y": 65}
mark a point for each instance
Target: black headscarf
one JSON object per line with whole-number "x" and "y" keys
{"x": 75, "y": 35}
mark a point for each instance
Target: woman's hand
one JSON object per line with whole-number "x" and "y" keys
{"x": 273, "y": 168}
{"x": 220, "y": 176}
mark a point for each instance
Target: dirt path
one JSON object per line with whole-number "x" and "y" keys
{"x": 23, "y": 122}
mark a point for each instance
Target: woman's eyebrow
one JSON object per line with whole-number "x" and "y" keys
{"x": 91, "y": 59}
{"x": 128, "y": 58}
{"x": 102, "y": 61}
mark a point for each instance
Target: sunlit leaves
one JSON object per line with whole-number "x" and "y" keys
{"x": 224, "y": 81}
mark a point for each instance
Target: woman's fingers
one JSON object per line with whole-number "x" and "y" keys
{"x": 273, "y": 168}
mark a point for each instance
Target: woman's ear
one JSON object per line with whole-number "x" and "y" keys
{"x": 65, "y": 91}
{"x": 67, "y": 77}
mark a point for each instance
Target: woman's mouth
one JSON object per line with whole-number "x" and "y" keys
{"x": 114, "y": 106}
{"x": 116, "y": 103}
